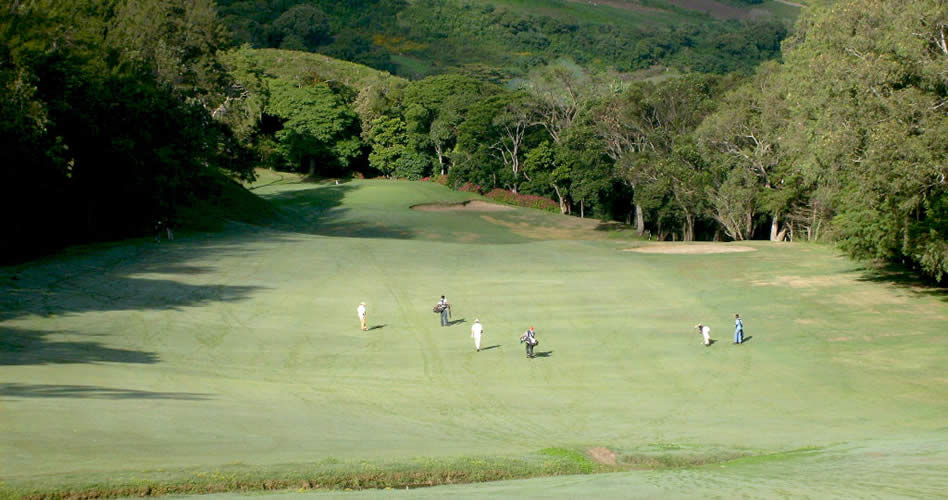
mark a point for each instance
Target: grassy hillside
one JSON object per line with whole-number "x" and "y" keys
{"x": 233, "y": 360}
{"x": 291, "y": 65}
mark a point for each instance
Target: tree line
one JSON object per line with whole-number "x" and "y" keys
{"x": 844, "y": 140}
{"x": 105, "y": 125}
{"x": 119, "y": 112}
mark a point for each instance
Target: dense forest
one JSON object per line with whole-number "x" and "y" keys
{"x": 124, "y": 111}
{"x": 497, "y": 41}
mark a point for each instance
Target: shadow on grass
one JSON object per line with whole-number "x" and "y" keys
{"x": 495, "y": 346}
{"x": 118, "y": 277}
{"x": 90, "y": 392}
{"x": 905, "y": 279}
{"x": 376, "y": 327}
{"x": 543, "y": 354}
{"x": 316, "y": 210}
{"x": 456, "y": 321}
{"x": 22, "y": 347}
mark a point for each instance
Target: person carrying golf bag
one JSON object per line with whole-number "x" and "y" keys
{"x": 444, "y": 308}
{"x": 529, "y": 337}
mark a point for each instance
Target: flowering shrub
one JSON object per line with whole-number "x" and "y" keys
{"x": 522, "y": 200}
{"x": 470, "y": 187}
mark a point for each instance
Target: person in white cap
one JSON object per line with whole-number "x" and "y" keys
{"x": 362, "y": 319}
{"x": 705, "y": 331}
{"x": 476, "y": 330}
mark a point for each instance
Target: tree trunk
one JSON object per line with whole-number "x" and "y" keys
{"x": 312, "y": 167}
{"x": 688, "y": 228}
{"x": 440, "y": 158}
{"x": 749, "y": 225}
{"x": 559, "y": 195}
{"x": 639, "y": 220}
{"x": 775, "y": 232}
{"x": 582, "y": 209}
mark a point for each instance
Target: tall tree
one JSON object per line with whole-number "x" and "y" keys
{"x": 319, "y": 128}
{"x": 177, "y": 40}
{"x": 870, "y": 87}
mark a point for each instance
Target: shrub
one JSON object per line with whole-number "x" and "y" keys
{"x": 411, "y": 166}
{"x": 470, "y": 187}
{"x": 523, "y": 200}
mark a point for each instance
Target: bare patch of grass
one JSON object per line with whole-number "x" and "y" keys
{"x": 691, "y": 249}
{"x": 603, "y": 455}
{"x": 804, "y": 282}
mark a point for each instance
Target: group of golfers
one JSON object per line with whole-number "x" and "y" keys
{"x": 529, "y": 337}
{"x": 705, "y": 331}
{"x": 443, "y": 308}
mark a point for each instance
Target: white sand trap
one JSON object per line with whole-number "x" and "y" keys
{"x": 470, "y": 205}
{"x": 691, "y": 249}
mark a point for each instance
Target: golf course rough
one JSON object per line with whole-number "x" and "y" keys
{"x": 233, "y": 360}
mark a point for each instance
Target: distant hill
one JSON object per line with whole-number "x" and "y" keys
{"x": 290, "y": 64}
{"x": 502, "y": 39}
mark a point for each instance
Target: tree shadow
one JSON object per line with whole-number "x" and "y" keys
{"x": 611, "y": 226}
{"x": 22, "y": 347}
{"x": 904, "y": 279}
{"x": 316, "y": 210}
{"x": 90, "y": 392}
{"x": 495, "y": 346}
{"x": 376, "y": 327}
{"x": 128, "y": 276}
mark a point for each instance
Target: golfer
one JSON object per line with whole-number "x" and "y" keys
{"x": 529, "y": 337}
{"x": 362, "y": 318}
{"x": 445, "y": 311}
{"x": 476, "y": 331}
{"x": 738, "y": 329}
{"x": 705, "y": 331}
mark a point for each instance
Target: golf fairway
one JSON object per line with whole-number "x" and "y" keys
{"x": 241, "y": 350}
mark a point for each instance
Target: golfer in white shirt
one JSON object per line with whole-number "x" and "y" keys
{"x": 362, "y": 318}
{"x": 705, "y": 332}
{"x": 476, "y": 330}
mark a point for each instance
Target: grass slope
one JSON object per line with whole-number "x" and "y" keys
{"x": 291, "y": 65}
{"x": 233, "y": 360}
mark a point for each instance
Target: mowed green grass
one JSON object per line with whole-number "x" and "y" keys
{"x": 239, "y": 352}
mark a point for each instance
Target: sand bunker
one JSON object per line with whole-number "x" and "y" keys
{"x": 470, "y": 205}
{"x": 700, "y": 248}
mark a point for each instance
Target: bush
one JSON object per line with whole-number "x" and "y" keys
{"x": 470, "y": 187}
{"x": 523, "y": 200}
{"x": 411, "y": 166}
{"x": 439, "y": 179}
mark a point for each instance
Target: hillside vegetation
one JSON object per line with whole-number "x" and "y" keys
{"x": 499, "y": 40}
{"x": 121, "y": 121}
